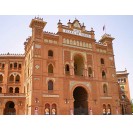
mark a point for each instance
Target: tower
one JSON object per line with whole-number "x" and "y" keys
{"x": 33, "y": 54}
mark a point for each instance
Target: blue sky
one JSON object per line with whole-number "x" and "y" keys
{"x": 14, "y": 29}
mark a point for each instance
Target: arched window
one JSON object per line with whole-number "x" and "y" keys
{"x": 104, "y": 109}
{"x": 102, "y": 61}
{"x": 16, "y": 90}
{"x": 1, "y": 78}
{"x": 50, "y": 68}
{"x": 47, "y": 109}
{"x": 15, "y": 65}
{"x": 50, "y": 53}
{"x": 109, "y": 110}
{"x": 50, "y": 85}
{"x": 10, "y": 65}
{"x": 105, "y": 89}
{"x": 10, "y": 90}
{"x": 19, "y": 66}
{"x": 90, "y": 72}
{"x": 17, "y": 78}
{"x": 67, "y": 70}
{"x": 54, "y": 109}
{"x": 11, "y": 78}
{"x": 78, "y": 65}
{"x": 0, "y": 89}
{"x": 103, "y": 74}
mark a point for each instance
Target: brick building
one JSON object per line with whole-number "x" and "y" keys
{"x": 125, "y": 100}
{"x": 64, "y": 73}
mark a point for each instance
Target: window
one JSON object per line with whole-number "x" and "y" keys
{"x": 50, "y": 68}
{"x": 11, "y": 78}
{"x": 10, "y": 66}
{"x": 54, "y": 109}
{"x": 109, "y": 110}
{"x": 15, "y": 65}
{"x": 0, "y": 89}
{"x": 103, "y": 74}
{"x": 123, "y": 97}
{"x": 16, "y": 90}
{"x": 19, "y": 66}
{"x": 50, "y": 53}
{"x": 67, "y": 70}
{"x": 47, "y": 109}
{"x": 104, "y": 109}
{"x": 90, "y": 72}
{"x": 102, "y": 61}
{"x": 2, "y": 65}
{"x": 105, "y": 91}
{"x": 50, "y": 85}
{"x": 1, "y": 78}
{"x": 10, "y": 90}
{"x": 125, "y": 80}
{"x": 122, "y": 88}
{"x": 17, "y": 78}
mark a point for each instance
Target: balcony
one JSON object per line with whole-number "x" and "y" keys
{"x": 12, "y": 95}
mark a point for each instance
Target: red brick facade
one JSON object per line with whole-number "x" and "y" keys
{"x": 63, "y": 73}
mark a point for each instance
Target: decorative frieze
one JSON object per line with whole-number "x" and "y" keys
{"x": 74, "y": 83}
{"x": 77, "y": 43}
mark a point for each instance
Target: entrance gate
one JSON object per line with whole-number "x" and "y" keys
{"x": 9, "y": 108}
{"x": 80, "y": 101}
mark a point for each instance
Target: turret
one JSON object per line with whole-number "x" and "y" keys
{"x": 37, "y": 24}
{"x": 107, "y": 40}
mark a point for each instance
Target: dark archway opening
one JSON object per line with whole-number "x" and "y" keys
{"x": 80, "y": 101}
{"x": 78, "y": 65}
{"x": 9, "y": 108}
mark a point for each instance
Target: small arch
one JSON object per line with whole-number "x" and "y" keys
{"x": 102, "y": 61}
{"x": 103, "y": 74}
{"x": 0, "y": 89}
{"x": 10, "y": 90}
{"x": 47, "y": 109}
{"x": 50, "y": 53}
{"x": 104, "y": 109}
{"x": 17, "y": 90}
{"x": 67, "y": 69}
{"x": 50, "y": 68}
{"x": 54, "y": 109}
{"x": 50, "y": 85}
{"x": 1, "y": 78}
{"x": 109, "y": 109}
{"x": 17, "y": 79}
{"x": 11, "y": 79}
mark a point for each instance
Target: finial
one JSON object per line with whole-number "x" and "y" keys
{"x": 91, "y": 29}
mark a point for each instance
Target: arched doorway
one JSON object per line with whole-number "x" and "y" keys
{"x": 80, "y": 101}
{"x": 9, "y": 108}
